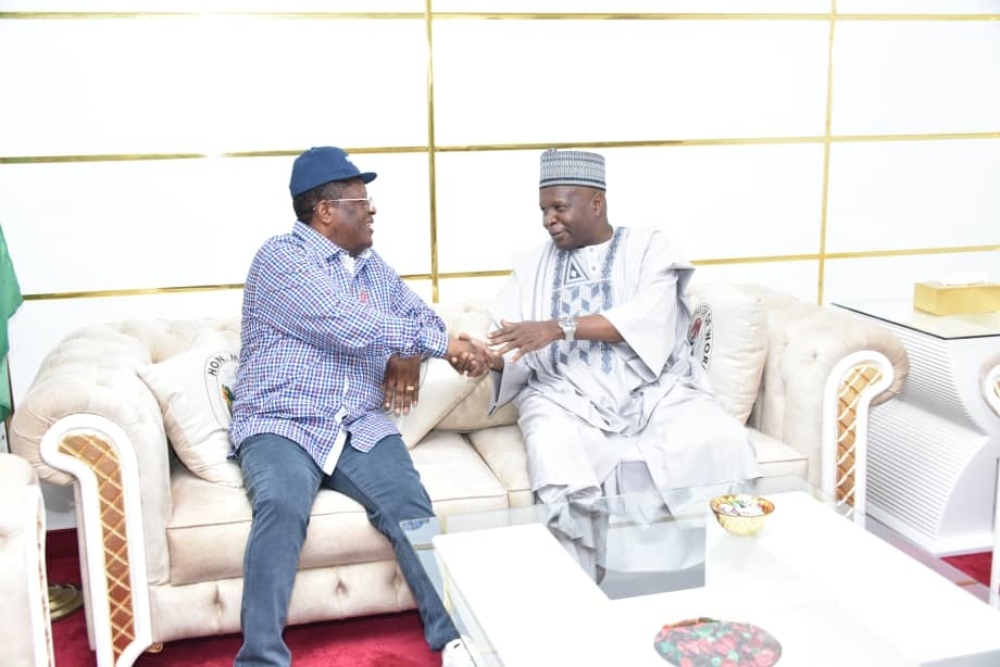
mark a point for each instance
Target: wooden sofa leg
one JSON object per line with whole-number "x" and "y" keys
{"x": 99, "y": 455}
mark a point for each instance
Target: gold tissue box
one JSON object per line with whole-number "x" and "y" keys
{"x": 938, "y": 299}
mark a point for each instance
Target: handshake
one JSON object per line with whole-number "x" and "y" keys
{"x": 471, "y": 356}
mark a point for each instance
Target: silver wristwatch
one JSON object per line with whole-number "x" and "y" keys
{"x": 568, "y": 326}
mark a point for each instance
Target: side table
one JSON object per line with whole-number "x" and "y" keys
{"x": 933, "y": 451}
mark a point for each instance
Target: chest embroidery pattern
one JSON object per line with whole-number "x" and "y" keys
{"x": 576, "y": 291}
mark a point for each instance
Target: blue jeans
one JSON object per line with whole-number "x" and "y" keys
{"x": 282, "y": 481}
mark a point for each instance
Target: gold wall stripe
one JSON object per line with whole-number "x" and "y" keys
{"x": 827, "y": 123}
{"x": 138, "y": 157}
{"x": 107, "y": 157}
{"x": 902, "y": 252}
{"x": 508, "y": 16}
{"x": 43, "y": 16}
{"x": 482, "y": 148}
{"x": 632, "y": 16}
{"x": 640, "y": 143}
{"x": 139, "y": 291}
{"x": 918, "y": 17}
{"x": 923, "y": 136}
{"x": 708, "y": 16}
{"x": 760, "y": 259}
{"x": 499, "y": 273}
{"x": 431, "y": 156}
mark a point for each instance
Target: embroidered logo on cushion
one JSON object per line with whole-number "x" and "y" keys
{"x": 220, "y": 378}
{"x": 700, "y": 334}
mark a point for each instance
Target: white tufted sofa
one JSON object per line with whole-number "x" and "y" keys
{"x": 25, "y": 627}
{"x": 163, "y": 547}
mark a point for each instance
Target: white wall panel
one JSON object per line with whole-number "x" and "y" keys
{"x": 304, "y": 82}
{"x": 923, "y": 194}
{"x": 162, "y": 223}
{"x": 638, "y": 80}
{"x": 210, "y": 84}
{"x": 480, "y": 290}
{"x": 713, "y": 201}
{"x": 800, "y": 278}
{"x": 918, "y": 6}
{"x": 122, "y": 225}
{"x": 103, "y": 86}
{"x": 916, "y": 77}
{"x": 877, "y": 278}
{"x": 721, "y": 201}
{"x": 423, "y": 288}
{"x": 487, "y": 207}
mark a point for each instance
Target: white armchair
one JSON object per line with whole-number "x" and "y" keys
{"x": 990, "y": 375}
{"x": 25, "y": 628}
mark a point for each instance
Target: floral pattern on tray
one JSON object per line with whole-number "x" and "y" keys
{"x": 709, "y": 642}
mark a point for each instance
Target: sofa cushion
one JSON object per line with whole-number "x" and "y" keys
{"x": 441, "y": 389}
{"x": 728, "y": 334}
{"x": 195, "y": 392}
{"x": 206, "y": 515}
{"x": 502, "y": 448}
{"x": 778, "y": 459}
{"x": 472, "y": 413}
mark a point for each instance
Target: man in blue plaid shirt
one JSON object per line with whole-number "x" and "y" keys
{"x": 331, "y": 337}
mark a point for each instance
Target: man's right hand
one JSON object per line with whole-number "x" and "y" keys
{"x": 466, "y": 357}
{"x": 494, "y": 360}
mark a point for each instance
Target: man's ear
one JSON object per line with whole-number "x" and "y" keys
{"x": 323, "y": 214}
{"x": 597, "y": 202}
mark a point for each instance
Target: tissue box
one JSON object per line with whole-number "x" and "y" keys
{"x": 938, "y": 299}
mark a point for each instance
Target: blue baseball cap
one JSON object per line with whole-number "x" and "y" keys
{"x": 325, "y": 164}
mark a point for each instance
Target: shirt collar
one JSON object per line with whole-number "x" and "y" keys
{"x": 321, "y": 245}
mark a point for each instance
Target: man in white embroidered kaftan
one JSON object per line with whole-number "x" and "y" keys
{"x": 590, "y": 343}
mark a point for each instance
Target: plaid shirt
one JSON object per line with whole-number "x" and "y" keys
{"x": 315, "y": 340}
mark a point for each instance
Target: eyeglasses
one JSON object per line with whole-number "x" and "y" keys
{"x": 369, "y": 200}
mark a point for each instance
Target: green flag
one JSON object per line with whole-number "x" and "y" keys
{"x": 10, "y": 299}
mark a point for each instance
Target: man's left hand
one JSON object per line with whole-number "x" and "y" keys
{"x": 524, "y": 337}
{"x": 401, "y": 384}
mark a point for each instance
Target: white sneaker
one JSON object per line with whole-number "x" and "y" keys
{"x": 456, "y": 653}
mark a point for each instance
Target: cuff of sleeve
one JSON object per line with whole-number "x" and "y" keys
{"x": 434, "y": 342}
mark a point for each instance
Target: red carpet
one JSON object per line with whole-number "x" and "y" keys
{"x": 380, "y": 641}
{"x": 376, "y": 641}
{"x": 977, "y": 566}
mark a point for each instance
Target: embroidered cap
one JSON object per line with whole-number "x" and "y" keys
{"x": 579, "y": 168}
{"x": 318, "y": 166}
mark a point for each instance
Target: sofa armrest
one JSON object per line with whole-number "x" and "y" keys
{"x": 109, "y": 497}
{"x": 807, "y": 344}
{"x": 85, "y": 416}
{"x": 25, "y": 625}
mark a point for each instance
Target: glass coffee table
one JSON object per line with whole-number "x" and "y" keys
{"x": 640, "y": 579}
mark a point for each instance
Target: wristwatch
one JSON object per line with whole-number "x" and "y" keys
{"x": 568, "y": 326}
